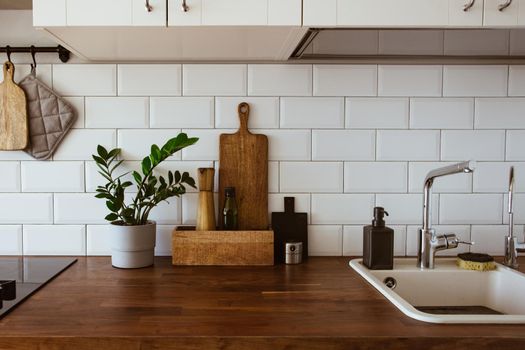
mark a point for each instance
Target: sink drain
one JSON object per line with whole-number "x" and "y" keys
{"x": 390, "y": 282}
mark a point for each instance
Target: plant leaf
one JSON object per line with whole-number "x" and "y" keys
{"x": 102, "y": 152}
{"x": 113, "y": 206}
{"x": 137, "y": 177}
{"x": 111, "y": 217}
{"x": 105, "y": 176}
{"x": 146, "y": 166}
{"x": 155, "y": 153}
{"x": 99, "y": 160}
{"x": 114, "y": 152}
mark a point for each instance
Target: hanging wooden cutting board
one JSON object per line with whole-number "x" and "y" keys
{"x": 289, "y": 226}
{"x": 13, "y": 113}
{"x": 244, "y": 165}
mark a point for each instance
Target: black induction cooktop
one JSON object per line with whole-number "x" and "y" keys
{"x": 20, "y": 277}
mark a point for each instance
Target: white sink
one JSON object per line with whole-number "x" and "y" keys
{"x": 502, "y": 290}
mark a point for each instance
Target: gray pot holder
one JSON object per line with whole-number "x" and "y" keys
{"x": 49, "y": 116}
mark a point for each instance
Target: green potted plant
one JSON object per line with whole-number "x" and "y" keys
{"x": 133, "y": 235}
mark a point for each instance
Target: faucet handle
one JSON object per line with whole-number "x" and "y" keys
{"x": 453, "y": 241}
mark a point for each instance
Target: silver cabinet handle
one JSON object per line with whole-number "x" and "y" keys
{"x": 149, "y": 8}
{"x": 469, "y": 5}
{"x": 185, "y": 7}
{"x": 502, "y": 7}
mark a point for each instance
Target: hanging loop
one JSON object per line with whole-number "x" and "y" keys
{"x": 8, "y": 52}
{"x": 32, "y": 49}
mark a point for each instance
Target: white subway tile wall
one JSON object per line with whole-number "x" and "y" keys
{"x": 116, "y": 112}
{"x": 343, "y": 139}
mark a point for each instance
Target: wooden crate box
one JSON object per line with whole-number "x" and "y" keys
{"x": 221, "y": 247}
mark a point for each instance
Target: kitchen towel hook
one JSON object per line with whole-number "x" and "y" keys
{"x": 8, "y": 53}
{"x": 32, "y": 49}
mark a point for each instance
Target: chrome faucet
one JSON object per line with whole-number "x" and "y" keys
{"x": 428, "y": 242}
{"x": 512, "y": 247}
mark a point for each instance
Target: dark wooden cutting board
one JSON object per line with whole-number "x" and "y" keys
{"x": 244, "y": 165}
{"x": 289, "y": 226}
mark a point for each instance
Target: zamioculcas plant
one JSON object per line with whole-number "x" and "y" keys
{"x": 151, "y": 189}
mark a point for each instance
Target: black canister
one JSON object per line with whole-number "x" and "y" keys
{"x": 378, "y": 243}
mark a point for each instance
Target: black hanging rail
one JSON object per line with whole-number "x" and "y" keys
{"x": 63, "y": 53}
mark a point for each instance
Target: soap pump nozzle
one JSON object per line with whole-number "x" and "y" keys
{"x": 379, "y": 214}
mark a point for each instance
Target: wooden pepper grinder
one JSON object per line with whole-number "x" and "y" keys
{"x": 206, "y": 209}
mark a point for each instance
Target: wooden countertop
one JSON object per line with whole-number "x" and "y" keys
{"x": 321, "y": 304}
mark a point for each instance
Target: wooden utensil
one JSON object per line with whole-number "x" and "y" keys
{"x": 206, "y": 209}
{"x": 13, "y": 113}
{"x": 289, "y": 226}
{"x": 244, "y": 165}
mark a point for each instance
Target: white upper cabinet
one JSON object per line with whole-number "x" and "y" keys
{"x": 234, "y": 12}
{"x": 501, "y": 13}
{"x": 413, "y": 13}
{"x": 49, "y": 13}
{"x": 188, "y": 15}
{"x": 392, "y": 13}
{"x": 99, "y": 13}
{"x": 85, "y": 13}
{"x": 465, "y": 13}
{"x": 320, "y": 13}
{"x": 154, "y": 15}
{"x": 521, "y": 14}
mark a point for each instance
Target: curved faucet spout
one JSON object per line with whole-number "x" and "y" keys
{"x": 427, "y": 236}
{"x": 463, "y": 167}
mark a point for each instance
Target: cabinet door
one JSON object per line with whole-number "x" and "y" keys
{"x": 390, "y": 13}
{"x": 234, "y": 12}
{"x": 521, "y": 14}
{"x": 178, "y": 17}
{"x": 465, "y": 13}
{"x": 99, "y": 13}
{"x": 48, "y": 13}
{"x": 284, "y": 12}
{"x": 494, "y": 15}
{"x": 155, "y": 17}
{"x": 320, "y": 13}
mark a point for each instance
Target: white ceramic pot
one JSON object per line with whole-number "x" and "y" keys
{"x": 133, "y": 246}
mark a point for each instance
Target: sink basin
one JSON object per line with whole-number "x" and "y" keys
{"x": 448, "y": 294}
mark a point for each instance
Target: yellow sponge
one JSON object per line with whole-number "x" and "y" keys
{"x": 476, "y": 261}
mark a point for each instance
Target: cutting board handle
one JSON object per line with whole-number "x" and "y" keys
{"x": 244, "y": 112}
{"x": 289, "y": 204}
{"x": 9, "y": 71}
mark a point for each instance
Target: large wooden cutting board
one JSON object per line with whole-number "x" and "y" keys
{"x": 13, "y": 113}
{"x": 244, "y": 165}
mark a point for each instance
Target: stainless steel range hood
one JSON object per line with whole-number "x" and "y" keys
{"x": 426, "y": 45}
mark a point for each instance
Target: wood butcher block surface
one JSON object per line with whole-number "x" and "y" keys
{"x": 13, "y": 112}
{"x": 243, "y": 164}
{"x": 321, "y": 304}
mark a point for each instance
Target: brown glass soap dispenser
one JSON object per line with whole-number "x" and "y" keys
{"x": 378, "y": 243}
